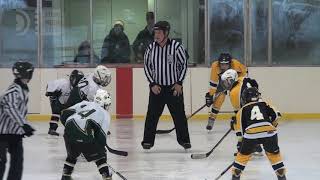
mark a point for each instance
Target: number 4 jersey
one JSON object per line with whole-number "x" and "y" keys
{"x": 90, "y": 122}
{"x": 256, "y": 120}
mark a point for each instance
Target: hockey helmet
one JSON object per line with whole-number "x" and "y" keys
{"x": 162, "y": 25}
{"x": 103, "y": 98}
{"x": 225, "y": 58}
{"x": 229, "y": 77}
{"x": 250, "y": 94}
{"x": 102, "y": 75}
{"x": 22, "y": 70}
{"x": 75, "y": 77}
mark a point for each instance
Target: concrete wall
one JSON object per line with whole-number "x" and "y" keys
{"x": 290, "y": 89}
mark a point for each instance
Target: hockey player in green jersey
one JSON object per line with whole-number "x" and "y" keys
{"x": 86, "y": 126}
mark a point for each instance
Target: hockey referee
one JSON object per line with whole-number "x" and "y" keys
{"x": 13, "y": 124}
{"x": 165, "y": 66}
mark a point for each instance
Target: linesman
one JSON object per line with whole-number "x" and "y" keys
{"x": 13, "y": 123}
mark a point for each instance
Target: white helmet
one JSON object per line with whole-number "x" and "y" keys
{"x": 228, "y": 78}
{"x": 103, "y": 98}
{"x": 102, "y": 75}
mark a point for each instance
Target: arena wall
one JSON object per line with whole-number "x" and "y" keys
{"x": 293, "y": 90}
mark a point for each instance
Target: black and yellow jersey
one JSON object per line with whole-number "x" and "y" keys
{"x": 237, "y": 88}
{"x": 256, "y": 120}
{"x": 216, "y": 73}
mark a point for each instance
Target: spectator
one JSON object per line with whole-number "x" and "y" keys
{"x": 116, "y": 47}
{"x": 83, "y": 55}
{"x": 144, "y": 38}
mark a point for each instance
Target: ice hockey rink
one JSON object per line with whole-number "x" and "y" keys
{"x": 298, "y": 141}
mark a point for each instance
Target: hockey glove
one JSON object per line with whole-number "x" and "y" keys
{"x": 233, "y": 122}
{"x": 28, "y": 130}
{"x": 209, "y": 99}
{"x": 55, "y": 94}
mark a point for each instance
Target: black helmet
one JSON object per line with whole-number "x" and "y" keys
{"x": 162, "y": 25}
{"x": 22, "y": 70}
{"x": 225, "y": 58}
{"x": 250, "y": 94}
{"x": 75, "y": 77}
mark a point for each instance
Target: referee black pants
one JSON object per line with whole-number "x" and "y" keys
{"x": 13, "y": 145}
{"x": 155, "y": 108}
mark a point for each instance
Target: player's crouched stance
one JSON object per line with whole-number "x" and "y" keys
{"x": 257, "y": 122}
{"x": 86, "y": 126}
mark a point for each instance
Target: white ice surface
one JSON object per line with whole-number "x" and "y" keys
{"x": 298, "y": 140}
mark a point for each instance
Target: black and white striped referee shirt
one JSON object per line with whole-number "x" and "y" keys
{"x": 13, "y": 109}
{"x": 165, "y": 65}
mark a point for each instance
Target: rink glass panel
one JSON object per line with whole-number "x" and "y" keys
{"x": 18, "y": 32}
{"x": 259, "y": 31}
{"x": 66, "y": 25}
{"x": 226, "y": 28}
{"x": 281, "y": 32}
{"x": 296, "y": 27}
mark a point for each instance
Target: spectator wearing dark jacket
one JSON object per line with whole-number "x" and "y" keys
{"x": 144, "y": 38}
{"x": 116, "y": 47}
{"x": 83, "y": 55}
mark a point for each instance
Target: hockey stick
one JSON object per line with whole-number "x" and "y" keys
{"x": 120, "y": 175}
{"x": 224, "y": 172}
{"x": 117, "y": 152}
{"x": 170, "y": 130}
{"x": 201, "y": 156}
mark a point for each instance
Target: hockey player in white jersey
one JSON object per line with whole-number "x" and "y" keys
{"x": 64, "y": 93}
{"x": 58, "y": 92}
{"x": 89, "y": 84}
{"x": 86, "y": 126}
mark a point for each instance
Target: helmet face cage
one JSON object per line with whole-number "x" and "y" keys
{"x": 228, "y": 78}
{"x": 102, "y": 76}
{"x": 250, "y": 95}
{"x": 106, "y": 81}
{"x": 225, "y": 61}
{"x": 22, "y": 70}
{"x": 225, "y": 58}
{"x": 103, "y": 81}
{"x": 227, "y": 83}
{"x": 75, "y": 77}
{"x": 103, "y": 98}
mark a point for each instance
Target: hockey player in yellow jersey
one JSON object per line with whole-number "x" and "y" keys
{"x": 225, "y": 62}
{"x": 236, "y": 85}
{"x": 257, "y": 122}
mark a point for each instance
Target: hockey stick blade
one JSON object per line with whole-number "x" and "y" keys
{"x": 217, "y": 178}
{"x": 201, "y": 156}
{"x": 198, "y": 156}
{"x": 117, "y": 152}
